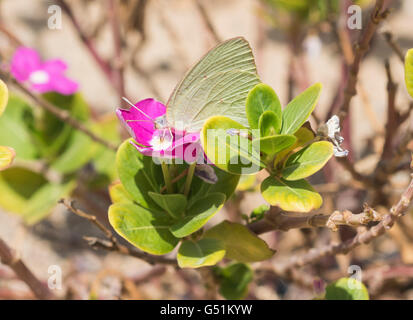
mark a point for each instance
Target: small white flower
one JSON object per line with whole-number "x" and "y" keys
{"x": 161, "y": 140}
{"x": 332, "y": 130}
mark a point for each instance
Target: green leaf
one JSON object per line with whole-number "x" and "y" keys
{"x": 198, "y": 214}
{"x": 226, "y": 184}
{"x": 296, "y": 196}
{"x": 205, "y": 252}
{"x": 307, "y": 161}
{"x": 4, "y": 96}
{"x": 240, "y": 243}
{"x": 137, "y": 174}
{"x": 260, "y": 99}
{"x": 17, "y": 127}
{"x": 146, "y": 229}
{"x": 247, "y": 182}
{"x": 30, "y": 194}
{"x": 303, "y": 135}
{"x": 75, "y": 154}
{"x": 408, "y": 71}
{"x": 174, "y": 204}
{"x": 54, "y": 133}
{"x": 269, "y": 124}
{"x": 231, "y": 153}
{"x": 234, "y": 281}
{"x": 299, "y": 109}
{"x": 346, "y": 289}
{"x": 118, "y": 193}
{"x": 274, "y": 144}
{"x": 6, "y": 157}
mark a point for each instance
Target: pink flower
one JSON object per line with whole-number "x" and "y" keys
{"x": 145, "y": 122}
{"x": 46, "y": 76}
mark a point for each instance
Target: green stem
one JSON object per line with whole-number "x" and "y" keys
{"x": 189, "y": 177}
{"x": 167, "y": 177}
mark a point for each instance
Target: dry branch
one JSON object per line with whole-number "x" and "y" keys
{"x": 9, "y": 258}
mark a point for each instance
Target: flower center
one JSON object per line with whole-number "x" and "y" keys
{"x": 39, "y": 77}
{"x": 161, "y": 140}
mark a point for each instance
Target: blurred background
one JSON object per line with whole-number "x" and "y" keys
{"x": 150, "y": 44}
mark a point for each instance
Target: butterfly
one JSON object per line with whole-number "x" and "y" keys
{"x": 217, "y": 85}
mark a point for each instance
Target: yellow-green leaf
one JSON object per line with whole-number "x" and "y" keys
{"x": 174, "y": 204}
{"x": 408, "y": 71}
{"x": 296, "y": 196}
{"x": 269, "y": 124}
{"x": 298, "y": 110}
{"x": 274, "y": 144}
{"x": 260, "y": 99}
{"x": 231, "y": 152}
{"x": 307, "y": 161}
{"x": 6, "y": 157}
{"x": 146, "y": 229}
{"x": 240, "y": 243}
{"x": 4, "y": 96}
{"x": 202, "y": 253}
{"x": 118, "y": 193}
{"x": 198, "y": 214}
{"x": 346, "y": 289}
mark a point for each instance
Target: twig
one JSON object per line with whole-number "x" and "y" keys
{"x": 275, "y": 220}
{"x": 59, "y": 113}
{"x": 360, "y": 50}
{"x": 9, "y": 258}
{"x": 113, "y": 244}
{"x": 363, "y": 237}
{"x": 88, "y": 42}
{"x": 207, "y": 20}
{"x": 394, "y": 45}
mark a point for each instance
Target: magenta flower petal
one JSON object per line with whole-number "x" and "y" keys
{"x": 26, "y": 65}
{"x": 24, "y": 62}
{"x": 141, "y": 125}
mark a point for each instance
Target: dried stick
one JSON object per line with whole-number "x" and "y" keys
{"x": 112, "y": 243}
{"x": 364, "y": 237}
{"x": 359, "y": 52}
{"x": 59, "y": 113}
{"x": 104, "y": 66}
{"x": 207, "y": 20}
{"x": 9, "y": 258}
{"x": 275, "y": 220}
{"x": 394, "y": 45}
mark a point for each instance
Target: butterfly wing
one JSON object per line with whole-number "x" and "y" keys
{"x": 217, "y": 85}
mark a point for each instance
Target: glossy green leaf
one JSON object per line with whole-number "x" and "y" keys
{"x": 137, "y": 174}
{"x": 298, "y": 196}
{"x": 198, "y": 214}
{"x": 4, "y": 96}
{"x": 202, "y": 253}
{"x": 231, "y": 152}
{"x": 269, "y": 124}
{"x": 307, "y": 161}
{"x": 234, "y": 281}
{"x": 346, "y": 289}
{"x": 299, "y": 109}
{"x": 17, "y": 129}
{"x": 240, "y": 243}
{"x": 260, "y": 99}
{"x": 304, "y": 136}
{"x": 29, "y": 194}
{"x": 118, "y": 193}
{"x": 226, "y": 184}
{"x": 6, "y": 157}
{"x": 274, "y": 144}
{"x": 408, "y": 71}
{"x": 174, "y": 204}
{"x": 146, "y": 229}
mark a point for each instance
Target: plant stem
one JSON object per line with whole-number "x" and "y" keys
{"x": 189, "y": 177}
{"x": 167, "y": 177}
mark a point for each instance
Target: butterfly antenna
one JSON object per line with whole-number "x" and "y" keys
{"x": 132, "y": 105}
